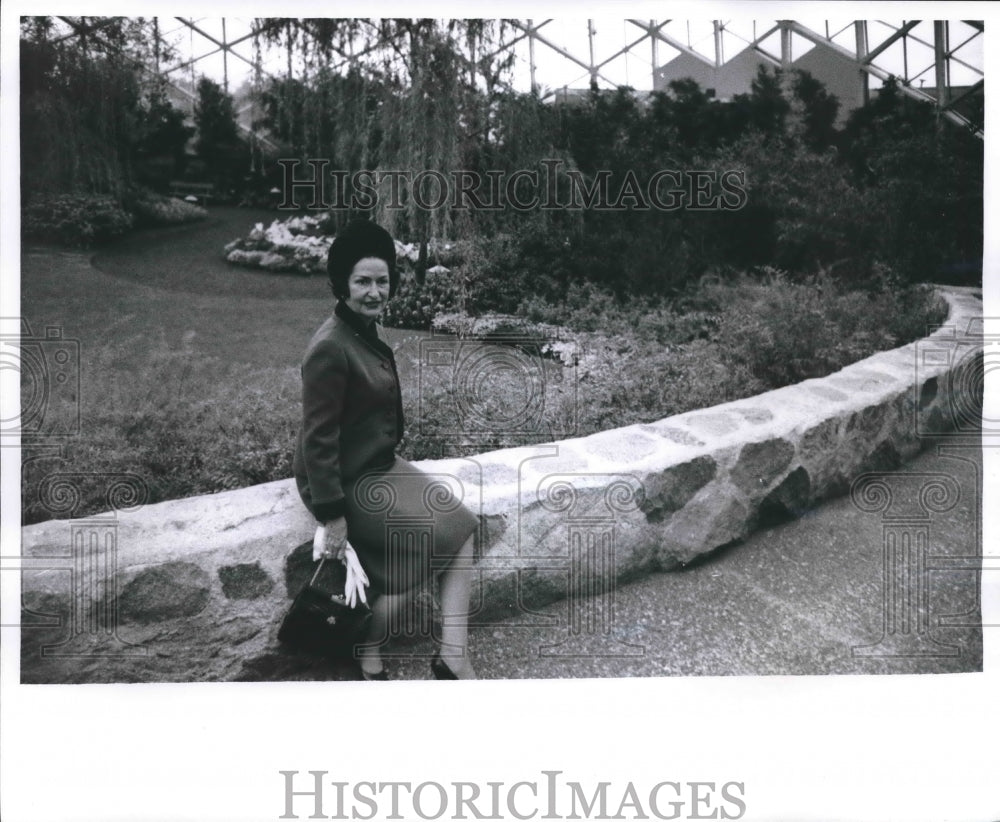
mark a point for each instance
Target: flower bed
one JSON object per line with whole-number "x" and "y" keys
{"x": 300, "y": 245}
{"x": 297, "y": 245}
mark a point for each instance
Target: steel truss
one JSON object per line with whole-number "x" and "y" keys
{"x": 873, "y": 49}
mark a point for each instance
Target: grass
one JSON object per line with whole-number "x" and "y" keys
{"x": 189, "y": 366}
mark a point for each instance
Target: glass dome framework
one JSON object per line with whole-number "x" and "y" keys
{"x": 938, "y": 61}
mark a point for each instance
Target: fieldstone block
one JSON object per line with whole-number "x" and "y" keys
{"x": 233, "y": 632}
{"x": 827, "y": 393}
{"x": 928, "y": 391}
{"x": 626, "y": 448}
{"x": 790, "y": 500}
{"x": 677, "y": 435}
{"x": 245, "y": 581}
{"x": 167, "y": 591}
{"x": 855, "y": 383}
{"x": 875, "y": 377}
{"x": 715, "y": 424}
{"x": 884, "y": 457}
{"x": 493, "y": 474}
{"x": 903, "y": 426}
{"x": 820, "y": 440}
{"x": 280, "y": 666}
{"x": 755, "y": 415}
{"x": 867, "y": 422}
{"x": 935, "y": 422}
{"x": 491, "y": 528}
{"x": 760, "y": 463}
{"x": 670, "y": 491}
{"x": 702, "y": 525}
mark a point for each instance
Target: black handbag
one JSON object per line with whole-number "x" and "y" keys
{"x": 323, "y": 623}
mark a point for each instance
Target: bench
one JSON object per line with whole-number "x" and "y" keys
{"x": 203, "y": 191}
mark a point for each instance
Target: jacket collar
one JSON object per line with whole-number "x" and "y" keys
{"x": 365, "y": 329}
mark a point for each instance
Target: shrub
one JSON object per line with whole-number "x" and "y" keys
{"x": 150, "y": 209}
{"x": 783, "y": 332}
{"x": 415, "y": 306}
{"x": 80, "y": 220}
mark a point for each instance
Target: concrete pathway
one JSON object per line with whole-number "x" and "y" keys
{"x": 800, "y": 598}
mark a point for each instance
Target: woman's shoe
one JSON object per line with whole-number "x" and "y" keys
{"x": 440, "y": 668}
{"x": 378, "y": 676}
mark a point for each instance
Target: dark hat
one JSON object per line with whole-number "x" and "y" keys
{"x": 359, "y": 239}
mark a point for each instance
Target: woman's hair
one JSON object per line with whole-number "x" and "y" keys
{"x": 359, "y": 239}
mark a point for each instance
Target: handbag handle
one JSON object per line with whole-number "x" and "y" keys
{"x": 316, "y": 573}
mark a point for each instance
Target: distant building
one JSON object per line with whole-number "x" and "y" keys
{"x": 838, "y": 73}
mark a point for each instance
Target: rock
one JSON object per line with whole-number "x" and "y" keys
{"x": 714, "y": 424}
{"x": 167, "y": 591}
{"x": 788, "y": 501}
{"x": 867, "y": 422}
{"x": 820, "y": 440}
{"x": 677, "y": 435}
{"x": 827, "y": 393}
{"x": 245, "y": 581}
{"x": 760, "y": 463}
{"x": 492, "y": 528}
{"x": 706, "y": 523}
{"x": 670, "y": 491}
{"x": 884, "y": 457}
{"x": 755, "y": 415}
{"x": 928, "y": 392}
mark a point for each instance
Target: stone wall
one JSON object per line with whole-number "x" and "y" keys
{"x": 194, "y": 589}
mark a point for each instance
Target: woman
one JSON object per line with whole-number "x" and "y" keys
{"x": 346, "y": 468}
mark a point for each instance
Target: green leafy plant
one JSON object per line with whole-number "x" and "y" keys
{"x": 74, "y": 220}
{"x": 415, "y": 305}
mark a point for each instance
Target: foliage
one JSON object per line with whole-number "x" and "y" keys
{"x": 163, "y": 136}
{"x": 74, "y": 220}
{"x": 644, "y": 360}
{"x": 82, "y": 220}
{"x": 223, "y": 154}
{"x": 782, "y": 332}
{"x": 416, "y": 304}
{"x": 90, "y": 111}
{"x": 414, "y": 106}
{"x": 923, "y": 176}
{"x": 151, "y": 209}
{"x": 188, "y": 427}
{"x": 192, "y": 424}
{"x": 78, "y": 118}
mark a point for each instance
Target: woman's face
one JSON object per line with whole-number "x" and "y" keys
{"x": 368, "y": 287}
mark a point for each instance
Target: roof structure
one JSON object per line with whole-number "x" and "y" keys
{"x": 939, "y": 61}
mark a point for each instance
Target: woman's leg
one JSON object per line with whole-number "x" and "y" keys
{"x": 456, "y": 584}
{"x": 384, "y": 612}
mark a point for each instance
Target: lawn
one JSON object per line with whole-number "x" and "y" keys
{"x": 189, "y": 366}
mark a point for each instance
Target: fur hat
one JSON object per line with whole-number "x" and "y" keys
{"x": 359, "y": 239}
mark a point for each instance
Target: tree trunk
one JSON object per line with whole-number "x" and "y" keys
{"x": 421, "y": 270}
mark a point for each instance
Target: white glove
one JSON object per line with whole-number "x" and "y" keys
{"x": 357, "y": 579}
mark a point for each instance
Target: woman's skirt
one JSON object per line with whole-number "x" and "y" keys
{"x": 406, "y": 525}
